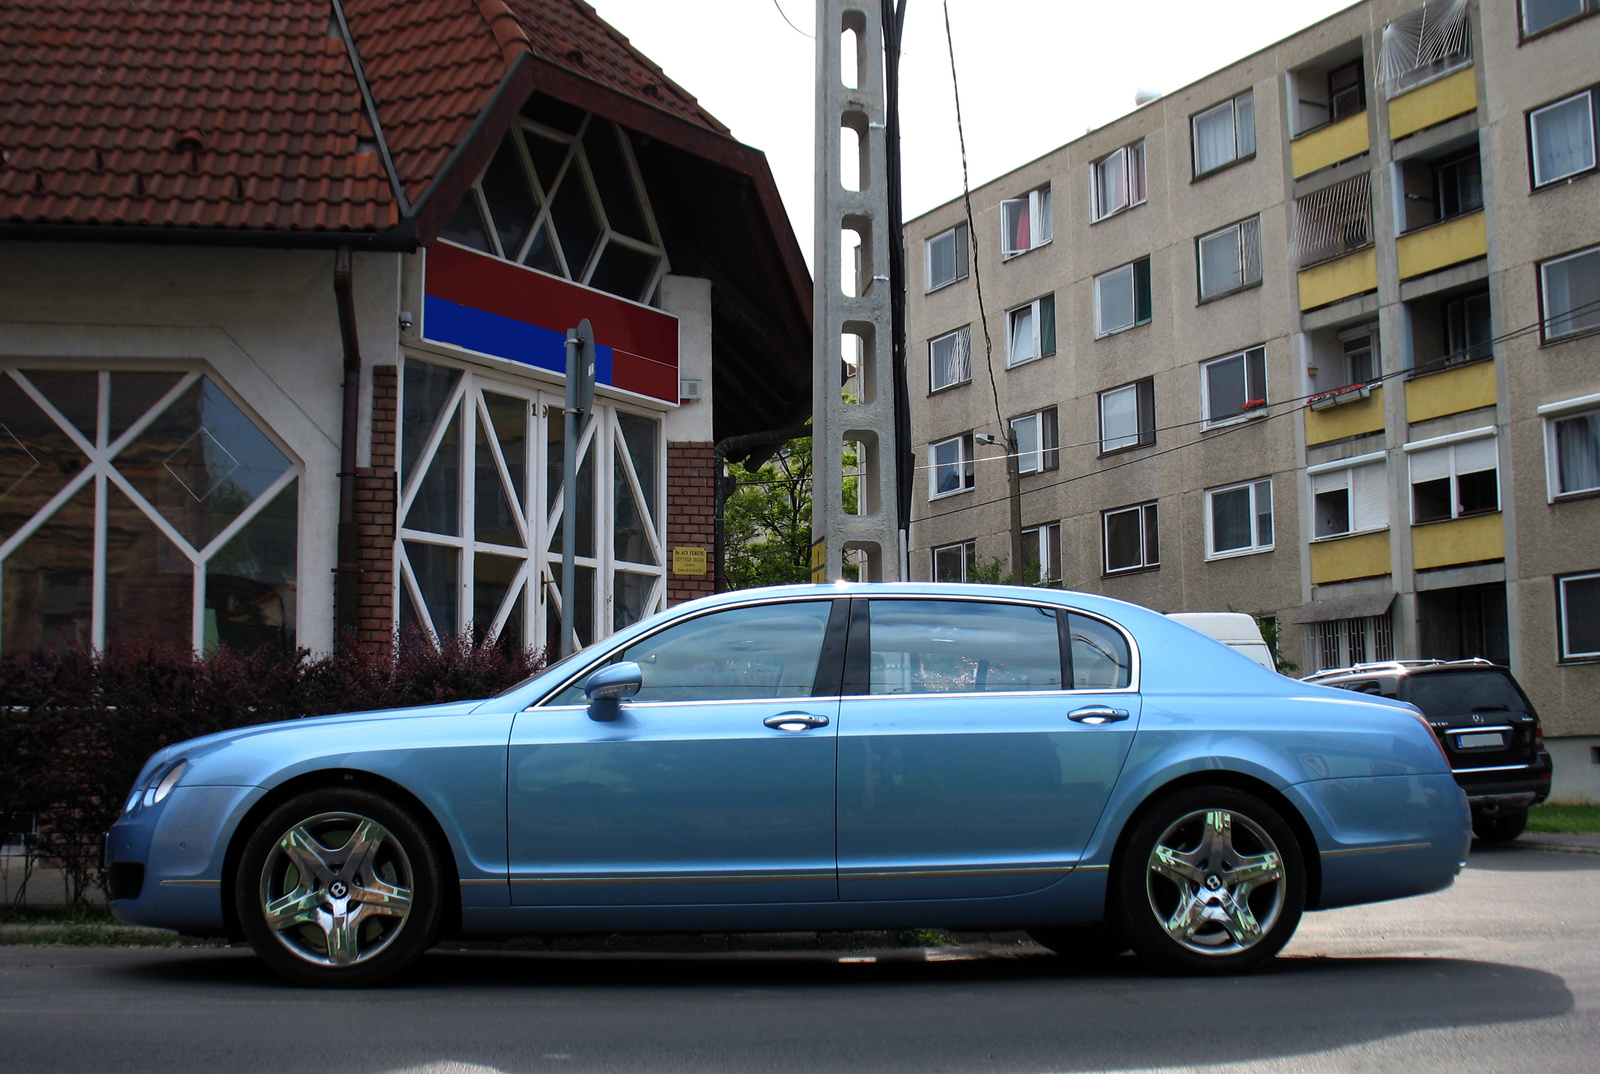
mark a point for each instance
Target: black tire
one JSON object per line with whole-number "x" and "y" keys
{"x": 1501, "y": 827}
{"x": 372, "y": 904}
{"x": 1083, "y": 945}
{"x": 1202, "y": 911}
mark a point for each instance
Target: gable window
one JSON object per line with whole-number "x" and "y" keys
{"x": 951, "y": 562}
{"x": 1468, "y": 332}
{"x": 1562, "y": 138}
{"x": 1239, "y": 519}
{"x": 1118, "y": 181}
{"x": 1350, "y": 496}
{"x": 1569, "y": 294}
{"x": 1122, "y": 298}
{"x": 1230, "y": 259}
{"x": 1454, "y": 479}
{"x": 1233, "y": 385}
{"x": 946, "y": 256}
{"x": 1578, "y": 597}
{"x": 1540, "y": 15}
{"x": 1128, "y": 416}
{"x": 950, "y": 467}
{"x": 1132, "y": 538}
{"x": 1031, "y": 331}
{"x": 1037, "y": 441}
{"x": 1025, "y": 222}
{"x": 950, "y": 359}
{"x": 1224, "y": 133}
{"x": 1572, "y": 446}
{"x": 1041, "y": 554}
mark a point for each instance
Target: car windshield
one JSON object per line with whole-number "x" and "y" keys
{"x": 1452, "y": 693}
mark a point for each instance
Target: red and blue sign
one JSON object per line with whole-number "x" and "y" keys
{"x": 482, "y": 303}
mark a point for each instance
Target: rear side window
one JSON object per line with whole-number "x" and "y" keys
{"x": 1456, "y": 692}
{"x": 962, "y": 646}
{"x": 1100, "y": 656}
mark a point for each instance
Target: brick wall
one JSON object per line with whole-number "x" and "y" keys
{"x": 376, "y": 505}
{"x": 690, "y": 514}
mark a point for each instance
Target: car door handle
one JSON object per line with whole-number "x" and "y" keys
{"x": 795, "y": 721}
{"x": 1097, "y": 714}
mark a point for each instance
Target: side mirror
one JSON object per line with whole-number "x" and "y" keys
{"x": 609, "y": 687}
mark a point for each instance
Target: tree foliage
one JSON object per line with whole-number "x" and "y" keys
{"x": 766, "y": 528}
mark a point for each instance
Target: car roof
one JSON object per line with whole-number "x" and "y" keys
{"x": 1402, "y": 668}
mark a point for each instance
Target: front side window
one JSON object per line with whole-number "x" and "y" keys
{"x": 1569, "y": 291}
{"x": 1128, "y": 416}
{"x": 1041, "y": 552}
{"x": 1122, "y": 298}
{"x": 950, "y": 359}
{"x": 1572, "y": 448}
{"x": 962, "y": 646}
{"x": 1562, "y": 136}
{"x": 1031, "y": 331}
{"x": 952, "y": 562}
{"x": 1578, "y": 598}
{"x": 1037, "y": 441}
{"x": 1233, "y": 386}
{"x": 950, "y": 468}
{"x": 947, "y": 257}
{"x": 1025, "y": 222}
{"x": 1132, "y": 538}
{"x": 1230, "y": 259}
{"x": 1224, "y": 133}
{"x": 1239, "y": 519}
{"x": 1454, "y": 480}
{"x": 1118, "y": 181}
{"x": 1468, "y": 330}
{"x": 1353, "y": 499}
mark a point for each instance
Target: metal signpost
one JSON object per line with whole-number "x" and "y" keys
{"x": 580, "y": 405}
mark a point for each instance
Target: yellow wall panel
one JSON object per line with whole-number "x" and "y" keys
{"x": 1462, "y": 540}
{"x": 1365, "y": 555}
{"x": 1441, "y": 245}
{"x": 1450, "y": 392}
{"x": 1352, "y": 274}
{"x": 1431, "y": 104}
{"x": 1329, "y": 145}
{"x": 1346, "y": 419}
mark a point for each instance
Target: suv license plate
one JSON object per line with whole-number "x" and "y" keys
{"x": 1480, "y": 739}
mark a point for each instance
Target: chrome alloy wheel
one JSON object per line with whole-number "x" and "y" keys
{"x": 1216, "y": 882}
{"x": 336, "y": 889}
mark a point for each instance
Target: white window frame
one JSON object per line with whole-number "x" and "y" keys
{"x": 1542, "y": 181}
{"x": 1452, "y": 441}
{"x": 1256, "y": 545}
{"x": 1246, "y": 280}
{"x": 1036, "y": 309}
{"x": 958, "y": 238}
{"x": 966, "y": 477}
{"x": 969, "y": 556}
{"x": 1046, "y": 434}
{"x": 1132, "y": 158}
{"x": 1239, "y": 151}
{"x": 1036, "y": 203}
{"x": 1141, "y": 436}
{"x": 1122, "y": 274}
{"x": 962, "y": 338}
{"x": 1207, "y": 421}
{"x": 1045, "y": 539}
{"x": 1545, "y": 316}
{"x": 1553, "y": 414}
{"x": 1145, "y": 512}
{"x": 1362, "y": 474}
{"x": 1562, "y": 623}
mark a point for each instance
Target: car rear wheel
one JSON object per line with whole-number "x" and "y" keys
{"x": 339, "y": 888}
{"x": 1210, "y": 881}
{"x": 1501, "y": 827}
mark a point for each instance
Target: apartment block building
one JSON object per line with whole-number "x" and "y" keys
{"x": 1316, "y": 337}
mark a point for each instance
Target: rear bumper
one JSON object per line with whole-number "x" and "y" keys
{"x": 1517, "y": 787}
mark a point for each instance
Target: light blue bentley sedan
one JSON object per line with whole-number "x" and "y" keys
{"x": 811, "y": 757}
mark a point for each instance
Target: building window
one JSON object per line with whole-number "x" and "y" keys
{"x": 1117, "y": 182}
{"x": 1041, "y": 554}
{"x": 1239, "y": 519}
{"x": 1224, "y": 133}
{"x": 1562, "y": 138}
{"x": 1233, "y": 386}
{"x": 1347, "y": 90}
{"x": 1132, "y": 537}
{"x": 1572, "y": 449}
{"x": 1128, "y": 416}
{"x": 141, "y": 508}
{"x": 1349, "y": 499}
{"x": 1031, "y": 331}
{"x": 1569, "y": 294}
{"x": 1540, "y": 15}
{"x": 1037, "y": 441}
{"x": 1458, "y": 186}
{"x": 1468, "y": 331}
{"x": 1360, "y": 353}
{"x": 1342, "y": 643}
{"x": 946, "y": 255}
{"x": 1122, "y": 298}
{"x": 1424, "y": 44}
{"x": 1578, "y": 615}
{"x": 950, "y": 468}
{"x": 1025, "y": 222}
{"x": 950, "y": 359}
{"x": 1230, "y": 259}
{"x": 1455, "y": 479}
{"x": 951, "y": 562}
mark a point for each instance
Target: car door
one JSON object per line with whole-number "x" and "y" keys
{"x": 715, "y": 783}
{"x": 967, "y": 766}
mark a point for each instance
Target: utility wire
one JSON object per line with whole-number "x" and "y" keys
{"x": 792, "y": 26}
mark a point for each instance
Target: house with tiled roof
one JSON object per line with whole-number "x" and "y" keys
{"x": 284, "y": 291}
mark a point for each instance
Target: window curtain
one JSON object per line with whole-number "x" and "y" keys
{"x": 1563, "y": 139}
{"x": 1572, "y": 295}
{"x": 1578, "y": 452}
{"x": 1022, "y": 335}
{"x": 1225, "y": 388}
{"x": 1213, "y": 138}
{"x": 1119, "y": 418}
{"x": 1220, "y": 270}
{"x": 1230, "y": 520}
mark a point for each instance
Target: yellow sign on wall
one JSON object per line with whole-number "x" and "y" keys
{"x": 819, "y": 561}
{"x": 689, "y": 562}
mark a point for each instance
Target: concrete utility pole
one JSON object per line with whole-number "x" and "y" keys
{"x": 870, "y": 422}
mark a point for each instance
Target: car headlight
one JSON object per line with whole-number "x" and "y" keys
{"x": 163, "y": 787}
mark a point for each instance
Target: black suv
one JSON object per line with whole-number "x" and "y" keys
{"x": 1486, "y": 724}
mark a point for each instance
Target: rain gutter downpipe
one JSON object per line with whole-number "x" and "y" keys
{"x": 347, "y": 574}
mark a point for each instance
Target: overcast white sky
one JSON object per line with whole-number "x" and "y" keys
{"x": 1034, "y": 74}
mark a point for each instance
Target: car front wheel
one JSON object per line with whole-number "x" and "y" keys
{"x": 339, "y": 888}
{"x": 1210, "y": 881}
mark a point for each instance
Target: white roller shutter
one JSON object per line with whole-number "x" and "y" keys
{"x": 1475, "y": 455}
{"x": 1430, "y": 465}
{"x": 1369, "y": 497}
{"x": 1329, "y": 481}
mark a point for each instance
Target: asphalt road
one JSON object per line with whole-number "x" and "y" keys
{"x": 1500, "y": 973}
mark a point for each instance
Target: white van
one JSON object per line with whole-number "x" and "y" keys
{"x": 1236, "y": 630}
